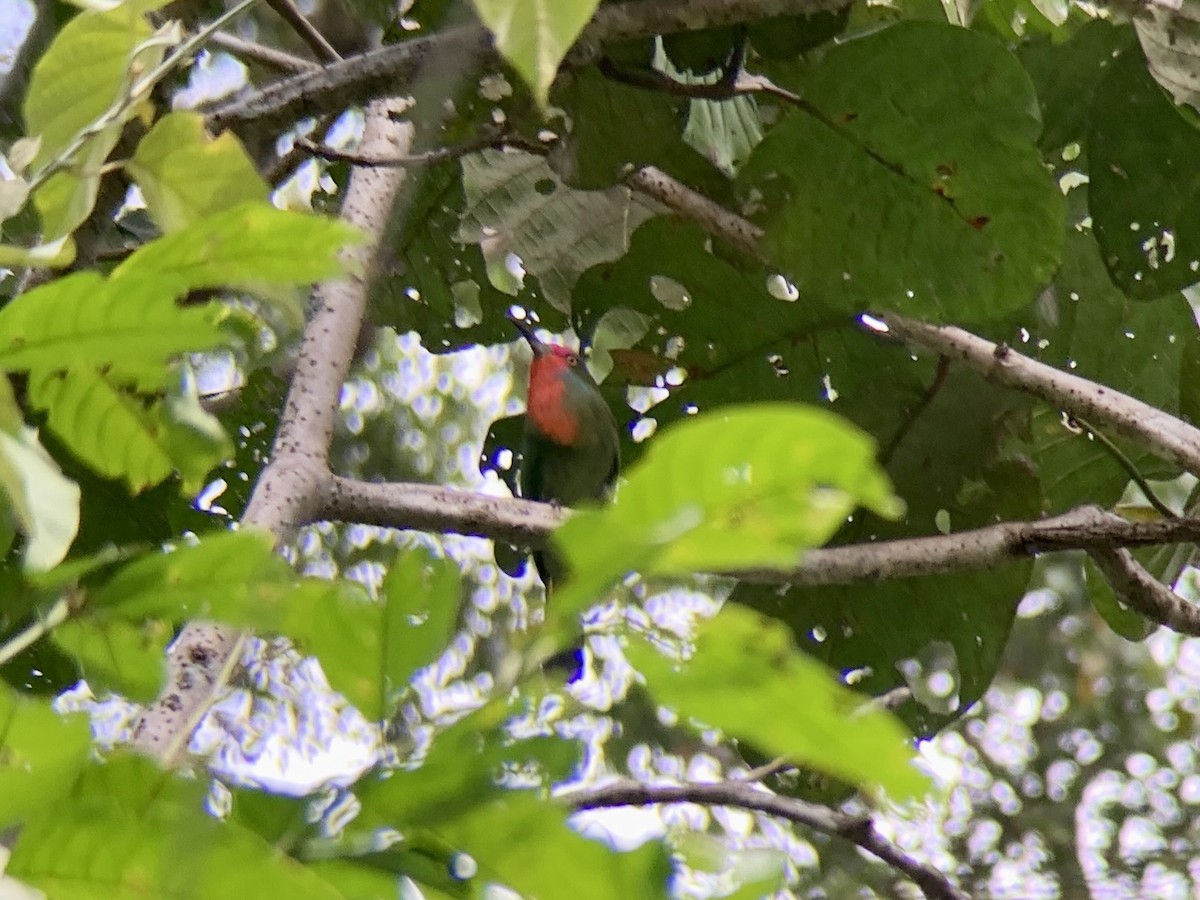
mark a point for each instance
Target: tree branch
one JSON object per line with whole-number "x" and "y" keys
{"x": 418, "y": 160}
{"x": 1162, "y": 433}
{"x": 1145, "y": 593}
{"x": 295, "y": 486}
{"x": 307, "y": 32}
{"x": 388, "y": 70}
{"x": 530, "y": 524}
{"x": 741, "y": 795}
{"x": 262, "y": 54}
{"x": 708, "y": 214}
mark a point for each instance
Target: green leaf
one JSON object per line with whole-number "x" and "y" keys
{"x": 738, "y": 487}
{"x": 185, "y": 175}
{"x": 525, "y": 843}
{"x": 1144, "y": 194}
{"x": 535, "y": 35}
{"x": 929, "y": 196}
{"x": 460, "y": 772}
{"x": 946, "y": 443}
{"x": 421, "y": 595}
{"x": 45, "y": 503}
{"x": 120, "y": 436}
{"x": 248, "y": 246}
{"x": 614, "y": 126}
{"x": 117, "y": 656}
{"x": 41, "y": 753}
{"x": 131, "y": 830}
{"x": 367, "y": 650}
{"x": 68, "y": 196}
{"x": 1067, "y": 76}
{"x": 233, "y": 576}
{"x": 1086, "y": 324}
{"x": 747, "y": 678}
{"x": 443, "y": 289}
{"x": 82, "y": 74}
{"x": 83, "y": 319}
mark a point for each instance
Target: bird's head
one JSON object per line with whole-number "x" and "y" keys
{"x": 561, "y": 390}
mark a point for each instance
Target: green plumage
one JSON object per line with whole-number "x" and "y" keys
{"x": 555, "y": 471}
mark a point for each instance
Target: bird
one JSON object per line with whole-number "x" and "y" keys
{"x": 572, "y": 447}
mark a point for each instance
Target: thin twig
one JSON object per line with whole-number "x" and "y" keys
{"x": 418, "y": 160}
{"x": 1131, "y": 470}
{"x": 43, "y": 625}
{"x": 260, "y": 53}
{"x": 743, "y": 795}
{"x": 305, "y": 29}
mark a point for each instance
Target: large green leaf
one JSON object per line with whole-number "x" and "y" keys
{"x": 443, "y": 290}
{"x": 119, "y": 435}
{"x": 943, "y": 632}
{"x": 1144, "y": 192}
{"x": 747, "y": 678}
{"x": 128, "y": 829}
{"x": 737, "y": 487}
{"x": 422, "y": 595}
{"x": 368, "y": 650}
{"x": 1066, "y": 76}
{"x": 82, "y": 74}
{"x": 614, "y": 126}
{"x": 41, "y": 752}
{"x": 535, "y": 35}
{"x": 45, "y": 503}
{"x": 250, "y": 245}
{"x": 86, "y": 320}
{"x": 115, "y": 655}
{"x": 1095, "y": 329}
{"x": 913, "y": 187}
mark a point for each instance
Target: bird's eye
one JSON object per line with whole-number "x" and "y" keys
{"x": 572, "y": 360}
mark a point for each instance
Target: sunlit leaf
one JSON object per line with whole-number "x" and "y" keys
{"x": 83, "y": 72}
{"x": 747, "y": 678}
{"x": 185, "y": 175}
{"x": 738, "y": 487}
{"x": 251, "y": 244}
{"x": 86, "y": 319}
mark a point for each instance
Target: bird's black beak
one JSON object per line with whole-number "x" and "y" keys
{"x": 539, "y": 348}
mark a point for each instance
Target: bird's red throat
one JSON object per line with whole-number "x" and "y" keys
{"x": 547, "y": 401}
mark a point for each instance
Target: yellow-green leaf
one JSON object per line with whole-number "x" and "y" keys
{"x": 185, "y": 174}
{"x": 535, "y": 35}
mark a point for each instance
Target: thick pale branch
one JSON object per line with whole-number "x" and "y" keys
{"x": 388, "y": 70}
{"x": 295, "y": 486}
{"x": 741, "y": 795}
{"x": 430, "y": 508}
